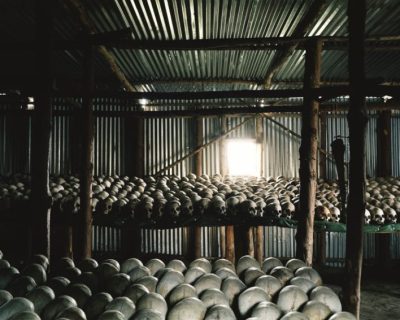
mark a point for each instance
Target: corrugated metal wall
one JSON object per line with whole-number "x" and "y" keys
{"x": 336, "y": 125}
{"x": 168, "y": 139}
{"x": 396, "y": 143}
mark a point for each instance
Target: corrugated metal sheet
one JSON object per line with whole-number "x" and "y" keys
{"x": 106, "y": 240}
{"x": 279, "y": 242}
{"x": 203, "y": 19}
{"x": 337, "y": 126}
{"x": 395, "y": 246}
{"x": 395, "y": 122}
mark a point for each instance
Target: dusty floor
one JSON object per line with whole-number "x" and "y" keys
{"x": 380, "y": 300}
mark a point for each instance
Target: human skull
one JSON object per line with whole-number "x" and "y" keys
{"x": 288, "y": 209}
{"x": 274, "y": 209}
{"x": 367, "y": 216}
{"x": 201, "y": 207}
{"x": 335, "y": 214}
{"x": 248, "y": 208}
{"x": 187, "y": 207}
{"x": 217, "y": 207}
{"x": 173, "y": 208}
{"x": 232, "y": 205}
{"x": 322, "y": 213}
{"x": 377, "y": 215}
{"x": 390, "y": 215}
{"x": 144, "y": 210}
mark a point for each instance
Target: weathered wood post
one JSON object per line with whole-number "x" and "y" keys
{"x": 259, "y": 238}
{"x": 85, "y": 220}
{"x": 308, "y": 153}
{"x": 41, "y": 130}
{"x": 357, "y": 120}
{"x": 198, "y": 157}
{"x": 384, "y": 169}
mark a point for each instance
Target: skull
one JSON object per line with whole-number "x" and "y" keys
{"x": 377, "y": 215}
{"x": 335, "y": 214}
{"x": 70, "y": 205}
{"x": 248, "y": 208}
{"x": 144, "y": 210}
{"x": 217, "y": 207}
{"x": 187, "y": 207}
{"x": 274, "y": 209}
{"x": 367, "y": 216}
{"x": 390, "y": 215}
{"x": 158, "y": 208}
{"x": 232, "y": 205}
{"x": 288, "y": 210}
{"x": 322, "y": 213}
{"x": 173, "y": 208}
{"x": 260, "y": 207}
{"x": 201, "y": 207}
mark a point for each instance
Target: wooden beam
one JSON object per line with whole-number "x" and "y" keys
{"x": 322, "y": 145}
{"x": 384, "y": 137}
{"x": 308, "y": 156}
{"x": 378, "y": 42}
{"x": 321, "y": 93}
{"x": 41, "y": 130}
{"x": 357, "y": 120}
{"x": 77, "y": 8}
{"x": 306, "y": 23}
{"x": 86, "y": 176}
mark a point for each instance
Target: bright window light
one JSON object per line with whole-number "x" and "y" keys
{"x": 244, "y": 158}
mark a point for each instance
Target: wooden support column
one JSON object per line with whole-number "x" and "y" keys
{"x": 250, "y": 241}
{"x": 259, "y": 230}
{"x": 384, "y": 135}
{"x": 230, "y": 244}
{"x": 84, "y": 227}
{"x": 357, "y": 120}
{"x": 41, "y": 130}
{"x": 198, "y": 171}
{"x": 223, "y": 165}
{"x": 308, "y": 154}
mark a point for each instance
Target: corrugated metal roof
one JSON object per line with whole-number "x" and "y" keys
{"x": 206, "y": 19}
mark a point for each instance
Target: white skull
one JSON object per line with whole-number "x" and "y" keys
{"x": 248, "y": 208}
{"x": 288, "y": 209}
{"x": 322, "y": 213}
{"x": 201, "y": 206}
{"x": 377, "y": 215}
{"x": 335, "y": 214}
{"x": 390, "y": 215}
{"x": 232, "y": 203}
{"x": 217, "y": 206}
{"x": 367, "y": 216}
{"x": 173, "y": 208}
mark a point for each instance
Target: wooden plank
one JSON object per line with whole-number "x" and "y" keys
{"x": 308, "y": 156}
{"x": 230, "y": 244}
{"x": 323, "y": 145}
{"x": 357, "y": 120}
{"x": 84, "y": 249}
{"x": 41, "y": 130}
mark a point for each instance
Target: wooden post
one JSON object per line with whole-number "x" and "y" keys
{"x": 321, "y": 248}
{"x": 259, "y": 237}
{"x": 308, "y": 154}
{"x": 41, "y": 129}
{"x": 223, "y": 166}
{"x": 85, "y": 220}
{"x": 357, "y": 120}
{"x": 230, "y": 243}
{"x": 323, "y": 146}
{"x": 384, "y": 135}
{"x": 198, "y": 172}
{"x": 250, "y": 241}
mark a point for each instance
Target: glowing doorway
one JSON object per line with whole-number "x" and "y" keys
{"x": 244, "y": 157}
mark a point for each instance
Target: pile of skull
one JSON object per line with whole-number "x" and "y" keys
{"x": 151, "y": 199}
{"x": 173, "y": 291}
